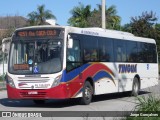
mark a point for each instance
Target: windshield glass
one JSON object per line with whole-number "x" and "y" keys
{"x": 42, "y": 56}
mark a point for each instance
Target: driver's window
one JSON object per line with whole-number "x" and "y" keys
{"x": 73, "y": 55}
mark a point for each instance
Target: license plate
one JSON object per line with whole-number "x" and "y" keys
{"x": 32, "y": 93}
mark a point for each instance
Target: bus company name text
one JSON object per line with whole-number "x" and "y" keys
{"x": 127, "y": 68}
{"x": 89, "y": 32}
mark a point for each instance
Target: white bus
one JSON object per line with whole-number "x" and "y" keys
{"x": 4, "y": 50}
{"x": 60, "y": 62}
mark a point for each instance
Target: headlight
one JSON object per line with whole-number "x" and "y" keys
{"x": 10, "y": 81}
{"x": 56, "y": 81}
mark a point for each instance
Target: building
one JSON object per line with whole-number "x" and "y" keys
{"x": 8, "y": 23}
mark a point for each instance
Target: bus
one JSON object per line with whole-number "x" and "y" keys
{"x": 4, "y": 50}
{"x": 62, "y": 62}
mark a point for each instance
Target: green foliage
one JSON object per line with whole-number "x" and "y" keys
{"x": 38, "y": 17}
{"x": 80, "y": 15}
{"x": 142, "y": 25}
{"x": 150, "y": 103}
{"x": 32, "y": 18}
{"x": 1, "y": 77}
{"x": 146, "y": 104}
{"x": 112, "y": 19}
{"x": 143, "y": 118}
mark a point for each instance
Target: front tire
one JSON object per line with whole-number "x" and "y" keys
{"x": 135, "y": 87}
{"x": 87, "y": 93}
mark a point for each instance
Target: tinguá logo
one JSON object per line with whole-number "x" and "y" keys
{"x": 127, "y": 68}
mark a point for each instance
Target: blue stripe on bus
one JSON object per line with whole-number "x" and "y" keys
{"x": 71, "y": 75}
{"x": 102, "y": 74}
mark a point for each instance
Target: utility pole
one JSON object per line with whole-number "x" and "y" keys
{"x": 3, "y": 51}
{"x": 104, "y": 14}
{"x": 3, "y": 65}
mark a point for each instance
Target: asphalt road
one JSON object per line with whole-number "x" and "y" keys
{"x": 108, "y": 102}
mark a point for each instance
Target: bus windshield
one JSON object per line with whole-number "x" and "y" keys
{"x": 38, "y": 56}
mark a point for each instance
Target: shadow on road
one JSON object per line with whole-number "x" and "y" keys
{"x": 104, "y": 97}
{"x": 63, "y": 103}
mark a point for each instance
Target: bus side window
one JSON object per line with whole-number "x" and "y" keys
{"x": 90, "y": 55}
{"x": 120, "y": 51}
{"x": 119, "y": 56}
{"x": 74, "y": 54}
{"x": 87, "y": 55}
{"x": 94, "y": 56}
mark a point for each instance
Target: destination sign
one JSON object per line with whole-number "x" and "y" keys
{"x": 38, "y": 33}
{"x": 21, "y": 67}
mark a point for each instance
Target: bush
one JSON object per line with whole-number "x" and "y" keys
{"x": 149, "y": 104}
{"x": 1, "y": 77}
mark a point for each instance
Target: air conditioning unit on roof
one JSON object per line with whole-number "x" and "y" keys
{"x": 51, "y": 21}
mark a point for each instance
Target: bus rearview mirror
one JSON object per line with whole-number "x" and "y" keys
{"x": 70, "y": 42}
{"x": 3, "y": 47}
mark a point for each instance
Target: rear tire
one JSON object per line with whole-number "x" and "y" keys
{"x": 87, "y": 93}
{"x": 135, "y": 87}
{"x": 39, "y": 102}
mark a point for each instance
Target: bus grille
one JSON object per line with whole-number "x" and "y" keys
{"x": 33, "y": 80}
{"x": 38, "y": 95}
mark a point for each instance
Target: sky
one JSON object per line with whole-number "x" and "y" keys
{"x": 61, "y": 8}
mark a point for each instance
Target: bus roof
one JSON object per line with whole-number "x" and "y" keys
{"x": 41, "y": 26}
{"x": 111, "y": 34}
{"x": 97, "y": 32}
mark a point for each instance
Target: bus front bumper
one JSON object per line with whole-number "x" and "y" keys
{"x": 58, "y": 92}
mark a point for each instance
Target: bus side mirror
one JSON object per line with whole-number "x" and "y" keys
{"x": 70, "y": 42}
{"x": 3, "y": 47}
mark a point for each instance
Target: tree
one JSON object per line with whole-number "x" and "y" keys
{"x": 112, "y": 19}
{"x": 127, "y": 27}
{"x": 38, "y": 17}
{"x": 80, "y": 15}
{"x": 7, "y": 33}
{"x": 143, "y": 25}
{"x": 32, "y": 18}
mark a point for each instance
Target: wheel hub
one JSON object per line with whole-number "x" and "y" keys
{"x": 87, "y": 92}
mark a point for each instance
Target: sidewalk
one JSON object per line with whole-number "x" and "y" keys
{"x": 2, "y": 85}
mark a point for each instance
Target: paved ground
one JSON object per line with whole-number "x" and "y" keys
{"x": 109, "y": 102}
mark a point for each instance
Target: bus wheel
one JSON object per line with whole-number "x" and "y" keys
{"x": 39, "y": 102}
{"x": 135, "y": 87}
{"x": 87, "y": 93}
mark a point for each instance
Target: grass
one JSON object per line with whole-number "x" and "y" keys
{"x": 146, "y": 105}
{"x": 150, "y": 103}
